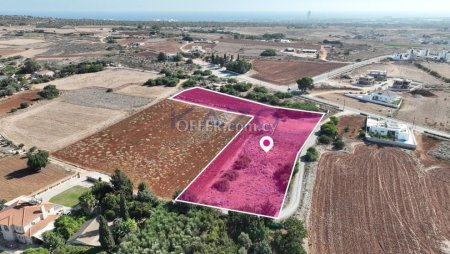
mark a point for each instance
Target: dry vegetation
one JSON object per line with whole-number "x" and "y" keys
{"x": 148, "y": 148}
{"x": 14, "y": 101}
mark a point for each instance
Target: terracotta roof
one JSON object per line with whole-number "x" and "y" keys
{"x": 22, "y": 213}
{"x": 41, "y": 225}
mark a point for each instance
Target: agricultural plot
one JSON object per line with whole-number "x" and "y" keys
{"x": 17, "y": 180}
{"x": 379, "y": 200}
{"x": 14, "y": 101}
{"x": 56, "y": 124}
{"x": 287, "y": 72}
{"x": 153, "y": 146}
{"x": 243, "y": 177}
{"x": 107, "y": 79}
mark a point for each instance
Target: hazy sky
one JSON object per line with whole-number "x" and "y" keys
{"x": 395, "y": 6}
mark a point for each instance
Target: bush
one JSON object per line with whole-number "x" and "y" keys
{"x": 339, "y": 145}
{"x": 323, "y": 139}
{"x": 311, "y": 155}
{"x": 282, "y": 95}
{"x": 334, "y": 120}
{"x": 269, "y": 52}
{"x": 24, "y": 105}
{"x": 329, "y": 129}
{"x": 260, "y": 89}
{"x": 49, "y": 92}
{"x": 239, "y": 66}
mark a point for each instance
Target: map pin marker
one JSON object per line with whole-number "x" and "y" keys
{"x": 266, "y": 143}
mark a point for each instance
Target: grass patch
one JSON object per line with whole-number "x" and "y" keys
{"x": 69, "y": 197}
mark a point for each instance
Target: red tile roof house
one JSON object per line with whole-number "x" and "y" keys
{"x": 25, "y": 222}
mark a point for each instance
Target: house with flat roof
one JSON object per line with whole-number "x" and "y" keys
{"x": 384, "y": 97}
{"x": 378, "y": 75}
{"x": 42, "y": 74}
{"x": 26, "y": 221}
{"x": 366, "y": 80}
{"x": 389, "y": 132}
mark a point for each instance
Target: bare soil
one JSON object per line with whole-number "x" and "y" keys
{"x": 14, "y": 101}
{"x": 379, "y": 200}
{"x": 148, "y": 148}
{"x": 54, "y": 125}
{"x": 16, "y": 179}
{"x": 107, "y": 79}
{"x": 354, "y": 123}
{"x": 287, "y": 73}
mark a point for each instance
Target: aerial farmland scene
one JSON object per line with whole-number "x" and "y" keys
{"x": 233, "y": 127}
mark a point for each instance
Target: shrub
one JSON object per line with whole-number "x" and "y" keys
{"x": 269, "y": 52}
{"x": 323, "y": 139}
{"x": 311, "y": 155}
{"x": 222, "y": 185}
{"x": 329, "y": 129}
{"x": 339, "y": 145}
{"x": 260, "y": 89}
{"x": 49, "y": 92}
{"x": 334, "y": 120}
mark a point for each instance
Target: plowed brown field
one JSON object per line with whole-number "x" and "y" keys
{"x": 15, "y": 101}
{"x": 148, "y": 148}
{"x": 17, "y": 180}
{"x": 379, "y": 200}
{"x": 287, "y": 72}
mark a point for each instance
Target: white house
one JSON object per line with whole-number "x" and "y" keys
{"x": 43, "y": 73}
{"x": 25, "y": 221}
{"x": 197, "y": 49}
{"x": 387, "y": 128}
{"x": 385, "y": 96}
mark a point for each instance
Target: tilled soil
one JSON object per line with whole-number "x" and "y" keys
{"x": 288, "y": 72}
{"x": 379, "y": 200}
{"x": 149, "y": 147}
{"x": 17, "y": 180}
{"x": 14, "y": 101}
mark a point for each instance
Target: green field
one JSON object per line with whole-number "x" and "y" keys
{"x": 69, "y": 197}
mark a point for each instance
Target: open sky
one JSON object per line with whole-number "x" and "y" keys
{"x": 226, "y": 5}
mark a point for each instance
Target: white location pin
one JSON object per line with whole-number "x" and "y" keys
{"x": 266, "y": 143}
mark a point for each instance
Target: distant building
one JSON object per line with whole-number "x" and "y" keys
{"x": 25, "y": 221}
{"x": 42, "y": 74}
{"x": 378, "y": 75}
{"x": 386, "y": 97}
{"x": 308, "y": 51}
{"x": 401, "y": 84}
{"x": 366, "y": 80}
{"x": 388, "y": 128}
{"x": 197, "y": 49}
{"x": 417, "y": 54}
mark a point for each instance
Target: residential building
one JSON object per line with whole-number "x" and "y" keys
{"x": 386, "y": 96}
{"x": 42, "y": 74}
{"x": 401, "y": 84}
{"x": 378, "y": 75}
{"x": 25, "y": 221}
{"x": 389, "y": 132}
{"x": 366, "y": 80}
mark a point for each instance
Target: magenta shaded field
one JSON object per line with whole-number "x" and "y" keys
{"x": 243, "y": 177}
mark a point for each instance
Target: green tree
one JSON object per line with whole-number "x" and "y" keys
{"x": 53, "y": 240}
{"x": 240, "y": 66}
{"x": 122, "y": 228}
{"x": 244, "y": 240}
{"x": 262, "y": 247}
{"x": 105, "y": 236}
{"x": 100, "y": 189}
{"x": 289, "y": 240}
{"x": 324, "y": 139}
{"x": 269, "y": 52}
{"x": 334, "y": 120}
{"x": 37, "y": 159}
{"x": 122, "y": 184}
{"x": 305, "y": 84}
{"x": 88, "y": 202}
{"x": 311, "y": 155}
{"x": 39, "y": 250}
{"x": 67, "y": 225}
{"x": 145, "y": 195}
{"x": 252, "y": 225}
{"x": 49, "y": 92}
{"x": 29, "y": 67}
{"x": 71, "y": 249}
{"x": 329, "y": 129}
{"x": 124, "y": 214}
{"x": 339, "y": 144}
{"x": 162, "y": 57}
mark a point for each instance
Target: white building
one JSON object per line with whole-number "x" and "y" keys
{"x": 42, "y": 74}
{"x": 385, "y": 96}
{"x": 197, "y": 49}
{"x": 25, "y": 221}
{"x": 390, "y": 129}
{"x": 417, "y": 54}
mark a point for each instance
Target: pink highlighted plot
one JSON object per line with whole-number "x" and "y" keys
{"x": 244, "y": 177}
